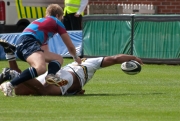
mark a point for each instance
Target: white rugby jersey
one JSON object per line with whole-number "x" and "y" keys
{"x": 84, "y": 72}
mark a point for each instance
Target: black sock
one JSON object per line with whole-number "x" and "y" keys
{"x": 26, "y": 75}
{"x": 54, "y": 67}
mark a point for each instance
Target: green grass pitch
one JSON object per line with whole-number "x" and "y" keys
{"x": 151, "y": 95}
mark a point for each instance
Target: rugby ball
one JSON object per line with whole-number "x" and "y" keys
{"x": 131, "y": 67}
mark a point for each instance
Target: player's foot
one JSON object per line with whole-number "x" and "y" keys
{"x": 8, "y": 48}
{"x": 5, "y": 75}
{"x": 7, "y": 89}
{"x": 52, "y": 79}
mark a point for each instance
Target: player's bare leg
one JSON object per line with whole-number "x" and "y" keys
{"x": 34, "y": 87}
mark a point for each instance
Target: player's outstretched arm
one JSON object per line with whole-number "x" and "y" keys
{"x": 118, "y": 59}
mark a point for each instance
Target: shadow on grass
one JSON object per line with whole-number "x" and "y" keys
{"x": 102, "y": 94}
{"x": 122, "y": 94}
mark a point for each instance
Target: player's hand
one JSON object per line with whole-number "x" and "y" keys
{"x": 139, "y": 60}
{"x": 81, "y": 92}
{"x": 78, "y": 60}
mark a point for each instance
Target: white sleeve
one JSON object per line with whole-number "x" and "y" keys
{"x": 82, "y": 6}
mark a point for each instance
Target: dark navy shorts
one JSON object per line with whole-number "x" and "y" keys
{"x": 26, "y": 45}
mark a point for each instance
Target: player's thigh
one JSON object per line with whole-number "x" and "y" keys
{"x": 43, "y": 89}
{"x": 22, "y": 89}
{"x": 53, "y": 90}
{"x": 37, "y": 60}
{"x": 49, "y": 56}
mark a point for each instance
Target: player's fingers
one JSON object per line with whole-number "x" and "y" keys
{"x": 78, "y": 60}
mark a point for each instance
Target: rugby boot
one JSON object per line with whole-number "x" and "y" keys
{"x": 5, "y": 75}
{"x": 8, "y": 48}
{"x": 52, "y": 79}
{"x": 7, "y": 89}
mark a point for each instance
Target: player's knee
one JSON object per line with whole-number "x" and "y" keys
{"x": 59, "y": 59}
{"x": 41, "y": 70}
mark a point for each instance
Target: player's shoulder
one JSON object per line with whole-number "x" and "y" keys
{"x": 39, "y": 20}
{"x": 46, "y": 19}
